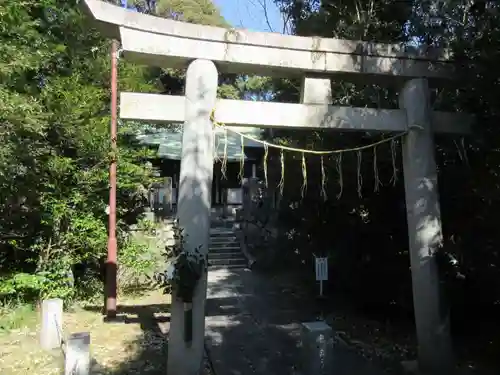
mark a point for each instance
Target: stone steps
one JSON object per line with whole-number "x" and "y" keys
{"x": 225, "y": 250}
{"x": 238, "y": 263}
{"x": 235, "y": 254}
{"x": 222, "y": 240}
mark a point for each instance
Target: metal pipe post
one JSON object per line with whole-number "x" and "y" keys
{"x": 111, "y": 262}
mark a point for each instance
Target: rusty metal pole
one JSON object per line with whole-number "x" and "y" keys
{"x": 111, "y": 262}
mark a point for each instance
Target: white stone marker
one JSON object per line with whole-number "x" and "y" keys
{"x": 424, "y": 230}
{"x": 52, "y": 318}
{"x": 194, "y": 209}
{"x": 321, "y": 270}
{"x": 77, "y": 354}
{"x": 317, "y": 348}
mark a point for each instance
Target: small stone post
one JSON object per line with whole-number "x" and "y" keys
{"x": 52, "y": 318}
{"x": 424, "y": 231}
{"x": 77, "y": 354}
{"x": 167, "y": 197}
{"x": 317, "y": 348}
{"x": 194, "y": 209}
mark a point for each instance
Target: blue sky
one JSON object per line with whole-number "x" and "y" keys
{"x": 250, "y": 14}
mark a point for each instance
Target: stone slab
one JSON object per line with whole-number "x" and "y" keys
{"x": 240, "y": 113}
{"x": 52, "y": 320}
{"x": 168, "y": 43}
{"x": 77, "y": 354}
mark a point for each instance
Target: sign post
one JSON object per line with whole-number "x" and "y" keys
{"x": 321, "y": 272}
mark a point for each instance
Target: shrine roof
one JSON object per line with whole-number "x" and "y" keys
{"x": 169, "y": 141}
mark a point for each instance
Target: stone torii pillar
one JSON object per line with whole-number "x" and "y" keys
{"x": 195, "y": 193}
{"x": 424, "y": 230}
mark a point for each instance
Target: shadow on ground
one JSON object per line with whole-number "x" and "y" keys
{"x": 252, "y": 327}
{"x": 149, "y": 350}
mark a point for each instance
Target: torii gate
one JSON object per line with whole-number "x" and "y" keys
{"x": 207, "y": 50}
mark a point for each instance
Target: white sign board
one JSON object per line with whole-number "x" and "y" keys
{"x": 321, "y": 269}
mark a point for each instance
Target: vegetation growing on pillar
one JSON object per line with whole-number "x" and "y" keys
{"x": 184, "y": 268}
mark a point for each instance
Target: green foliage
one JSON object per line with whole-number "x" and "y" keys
{"x": 137, "y": 264}
{"x": 54, "y": 116}
{"x": 17, "y": 316}
{"x": 147, "y": 226}
{"x": 184, "y": 269}
{"x": 367, "y": 236}
{"x": 202, "y": 12}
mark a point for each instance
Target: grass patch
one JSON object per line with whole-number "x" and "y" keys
{"x": 17, "y": 317}
{"x": 136, "y": 344}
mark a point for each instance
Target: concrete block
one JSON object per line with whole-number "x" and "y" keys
{"x": 52, "y": 319}
{"x": 317, "y": 348}
{"x": 78, "y": 354}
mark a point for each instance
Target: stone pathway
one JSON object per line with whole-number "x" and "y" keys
{"x": 253, "y": 327}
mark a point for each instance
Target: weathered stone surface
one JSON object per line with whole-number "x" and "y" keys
{"x": 424, "y": 230}
{"x": 317, "y": 348}
{"x": 168, "y": 108}
{"x": 77, "y": 361}
{"x": 162, "y": 42}
{"x": 316, "y": 90}
{"x": 194, "y": 209}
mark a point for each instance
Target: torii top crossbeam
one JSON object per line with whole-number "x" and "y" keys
{"x": 168, "y": 43}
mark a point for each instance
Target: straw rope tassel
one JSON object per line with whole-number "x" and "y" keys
{"x": 216, "y": 142}
{"x": 266, "y": 154}
{"x": 323, "y": 180}
{"x": 375, "y": 171}
{"x": 281, "y": 184}
{"x": 394, "y": 178}
{"x": 313, "y": 152}
{"x": 341, "y": 178}
{"x": 224, "y": 157}
{"x": 241, "y": 173}
{"x": 359, "y": 175}
{"x": 339, "y": 152}
{"x": 464, "y": 149}
{"x": 304, "y": 176}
